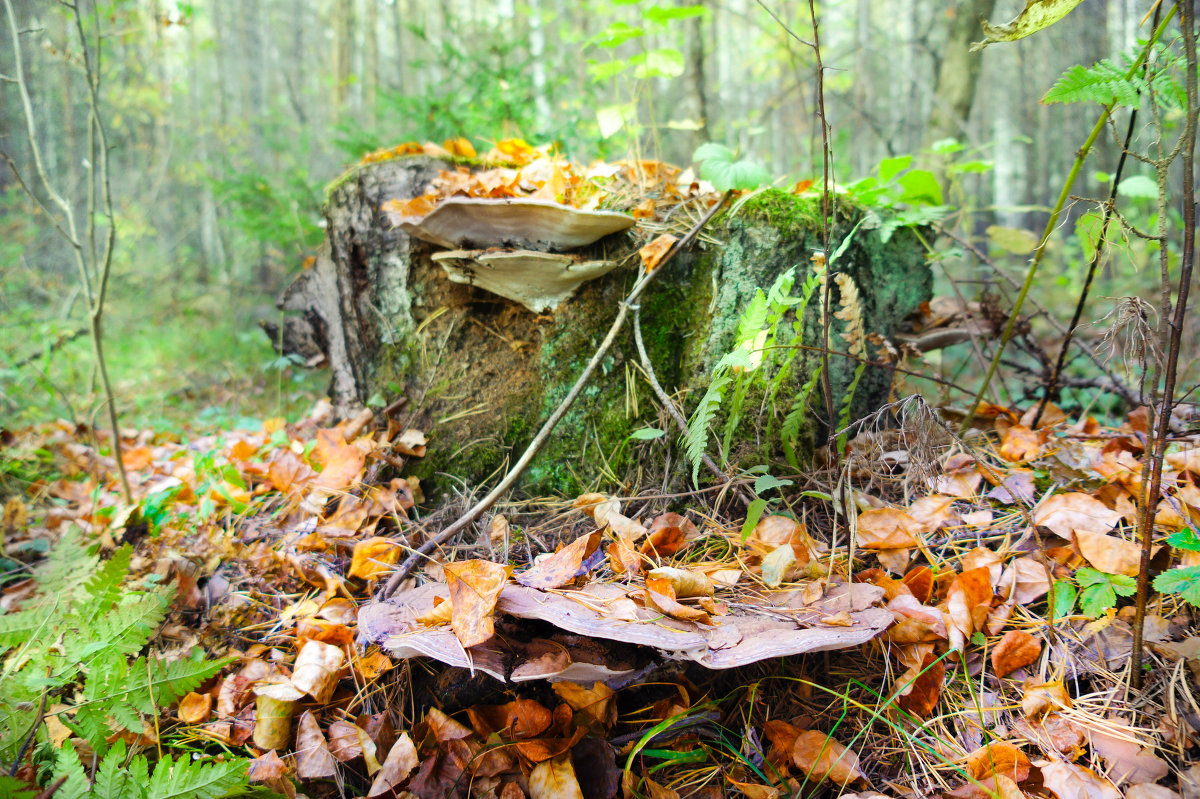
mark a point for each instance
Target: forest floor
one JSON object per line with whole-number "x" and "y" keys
{"x": 974, "y": 641}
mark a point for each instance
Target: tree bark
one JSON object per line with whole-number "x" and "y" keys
{"x": 481, "y": 372}
{"x": 954, "y": 93}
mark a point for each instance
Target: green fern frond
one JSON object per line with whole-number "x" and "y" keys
{"x": 115, "y": 781}
{"x": 185, "y": 779}
{"x": 697, "y": 430}
{"x": 1104, "y": 82}
{"x": 104, "y": 587}
{"x": 125, "y": 629}
{"x": 173, "y": 680}
{"x": 67, "y": 764}
{"x": 90, "y": 722}
{"x": 66, "y": 566}
{"x": 13, "y": 788}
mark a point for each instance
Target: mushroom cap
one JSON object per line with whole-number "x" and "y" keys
{"x": 537, "y": 280}
{"x": 517, "y": 222}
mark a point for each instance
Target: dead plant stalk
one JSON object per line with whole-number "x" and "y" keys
{"x": 93, "y": 262}
{"x": 1161, "y": 417}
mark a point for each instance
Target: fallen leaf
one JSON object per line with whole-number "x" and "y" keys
{"x": 1128, "y": 761}
{"x": 1020, "y": 444}
{"x": 776, "y": 565}
{"x": 920, "y": 688}
{"x": 521, "y": 718}
{"x": 313, "y": 759}
{"x": 348, "y": 741}
{"x": 563, "y": 566}
{"x": 554, "y": 779}
{"x": 967, "y": 604}
{"x": 1110, "y": 554}
{"x": 654, "y": 252}
{"x": 445, "y": 728}
{"x": 1016, "y": 650}
{"x": 1071, "y": 781}
{"x": 597, "y": 703}
{"x": 400, "y": 761}
{"x": 374, "y": 557}
{"x": 1075, "y": 512}
{"x": 275, "y": 705}
{"x": 821, "y": 757}
{"x": 1042, "y": 698}
{"x": 998, "y": 758}
{"x": 598, "y": 506}
{"x": 195, "y": 708}
{"x": 411, "y": 442}
{"x": 886, "y": 528}
{"x": 270, "y": 769}
{"x": 318, "y": 668}
{"x": 474, "y": 587}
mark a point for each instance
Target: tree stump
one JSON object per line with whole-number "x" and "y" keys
{"x": 481, "y": 373}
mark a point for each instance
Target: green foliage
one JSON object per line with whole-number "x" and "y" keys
{"x": 718, "y": 166}
{"x": 80, "y": 639}
{"x": 909, "y": 197}
{"x": 1184, "y": 581}
{"x": 1098, "y": 591}
{"x": 1123, "y": 82}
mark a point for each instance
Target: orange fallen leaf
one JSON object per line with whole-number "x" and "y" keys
{"x": 400, "y": 762}
{"x": 194, "y": 708}
{"x": 1075, "y": 512}
{"x": 374, "y": 557}
{"x": 653, "y": 253}
{"x": 886, "y": 528}
{"x": 459, "y": 147}
{"x": 922, "y": 687}
{"x": 1020, "y": 444}
{"x": 1109, "y": 554}
{"x": 270, "y": 769}
{"x": 597, "y": 703}
{"x": 563, "y": 566}
{"x": 554, "y": 779}
{"x": 1016, "y": 650}
{"x": 967, "y": 604}
{"x": 998, "y": 758}
{"x": 821, "y": 757}
{"x": 318, "y": 668}
{"x": 475, "y": 586}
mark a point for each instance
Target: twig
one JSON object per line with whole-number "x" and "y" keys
{"x": 669, "y": 403}
{"x": 548, "y": 427}
{"x": 1162, "y": 419}
{"x": 1051, "y": 226}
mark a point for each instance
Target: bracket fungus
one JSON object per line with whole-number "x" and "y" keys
{"x": 518, "y": 222}
{"x": 537, "y": 280}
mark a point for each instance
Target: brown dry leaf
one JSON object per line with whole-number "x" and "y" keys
{"x": 782, "y": 736}
{"x": 445, "y": 728}
{"x": 499, "y": 530}
{"x": 1147, "y": 791}
{"x": 1025, "y": 580}
{"x": 563, "y": 566}
{"x": 685, "y": 583}
{"x": 920, "y": 688}
{"x": 441, "y": 613}
{"x": 821, "y": 757}
{"x": 1075, "y": 512}
{"x": 1128, "y": 761}
{"x": 967, "y": 605}
{"x": 998, "y": 758}
{"x": 886, "y": 528}
{"x": 374, "y": 557}
{"x": 1042, "y": 698}
{"x": 597, "y": 703}
{"x": 459, "y": 147}
{"x": 313, "y": 758}
{"x": 342, "y": 462}
{"x": 1021, "y": 444}
{"x": 1016, "y": 650}
{"x": 554, "y": 779}
{"x": 623, "y": 556}
{"x": 1054, "y": 734}
{"x": 474, "y": 587}
{"x": 275, "y": 706}
{"x": 1070, "y": 781}
{"x": 521, "y": 718}
{"x": 664, "y": 542}
{"x": 318, "y": 668}
{"x": 400, "y": 761}
{"x": 654, "y": 252}
{"x": 270, "y": 770}
{"x": 411, "y": 442}
{"x": 194, "y": 708}
{"x": 752, "y": 790}
{"x": 372, "y": 664}
{"x": 1110, "y": 554}
{"x": 598, "y": 506}
{"x": 919, "y": 581}
{"x": 661, "y": 596}
{"x": 348, "y": 741}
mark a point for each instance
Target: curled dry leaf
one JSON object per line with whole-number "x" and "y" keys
{"x": 998, "y": 758}
{"x": 685, "y": 582}
{"x": 374, "y": 557}
{"x": 1070, "y": 781}
{"x": 776, "y": 565}
{"x": 623, "y": 556}
{"x": 313, "y": 758}
{"x": 194, "y": 708}
{"x": 821, "y": 757}
{"x": 1016, "y": 650}
{"x": 411, "y": 442}
{"x": 1041, "y": 698}
{"x": 348, "y": 741}
{"x": 598, "y": 506}
{"x": 474, "y": 587}
{"x": 597, "y": 703}
{"x": 563, "y": 566}
{"x": 656, "y": 250}
{"x": 1021, "y": 444}
{"x": 318, "y": 668}
{"x": 268, "y": 768}
{"x": 661, "y": 595}
{"x": 967, "y": 605}
{"x": 920, "y": 688}
{"x": 554, "y": 779}
{"x": 275, "y": 705}
{"x": 400, "y": 762}
{"x": 441, "y": 613}
{"x": 445, "y": 728}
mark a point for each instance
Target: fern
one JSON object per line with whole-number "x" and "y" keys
{"x": 1108, "y": 82}
{"x": 77, "y": 635}
{"x": 697, "y": 430}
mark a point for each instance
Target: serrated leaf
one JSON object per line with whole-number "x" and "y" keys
{"x": 176, "y": 779}
{"x": 1185, "y": 539}
{"x": 1095, "y": 599}
{"x": 1184, "y": 581}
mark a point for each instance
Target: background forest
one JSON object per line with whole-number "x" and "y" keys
{"x": 227, "y": 120}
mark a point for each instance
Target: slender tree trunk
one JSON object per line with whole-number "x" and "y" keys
{"x": 954, "y": 93}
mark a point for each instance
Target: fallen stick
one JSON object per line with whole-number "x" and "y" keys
{"x": 462, "y": 522}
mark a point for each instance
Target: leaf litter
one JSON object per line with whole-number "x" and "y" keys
{"x": 976, "y": 645}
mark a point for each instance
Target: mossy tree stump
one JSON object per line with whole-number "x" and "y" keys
{"x": 481, "y": 373}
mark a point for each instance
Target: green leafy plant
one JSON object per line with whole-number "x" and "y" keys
{"x": 1098, "y": 591}
{"x": 1123, "y": 83}
{"x": 908, "y": 197}
{"x": 717, "y": 165}
{"x": 78, "y": 642}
